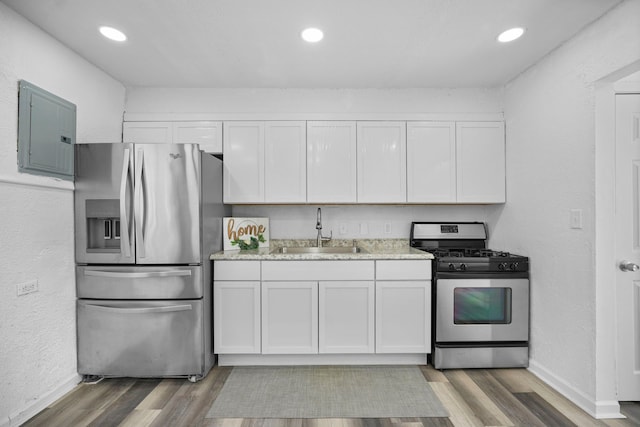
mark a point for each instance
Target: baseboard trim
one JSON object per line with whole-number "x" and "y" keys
{"x": 597, "y": 409}
{"x": 24, "y": 414}
{"x": 320, "y": 359}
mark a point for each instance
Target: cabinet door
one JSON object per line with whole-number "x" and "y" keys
{"x": 243, "y": 162}
{"x": 431, "y": 162}
{"x": 208, "y": 134}
{"x": 480, "y": 148}
{"x": 285, "y": 168}
{"x": 331, "y": 162}
{"x": 289, "y": 317}
{"x": 403, "y": 317}
{"x": 147, "y": 132}
{"x": 346, "y": 317}
{"x": 236, "y": 314}
{"x": 382, "y": 159}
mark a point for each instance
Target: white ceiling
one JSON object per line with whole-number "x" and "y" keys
{"x": 367, "y": 44}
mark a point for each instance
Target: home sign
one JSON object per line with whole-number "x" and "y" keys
{"x": 245, "y": 233}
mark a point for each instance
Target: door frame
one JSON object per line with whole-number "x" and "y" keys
{"x": 606, "y": 401}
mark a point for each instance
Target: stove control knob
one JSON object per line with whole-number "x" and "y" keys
{"x": 513, "y": 266}
{"x": 451, "y": 266}
{"x": 463, "y": 267}
{"x": 502, "y": 266}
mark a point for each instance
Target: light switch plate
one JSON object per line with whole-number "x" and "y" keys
{"x": 575, "y": 218}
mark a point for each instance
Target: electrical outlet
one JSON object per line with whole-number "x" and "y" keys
{"x": 575, "y": 218}
{"x": 364, "y": 228}
{"x": 343, "y": 228}
{"x": 27, "y": 287}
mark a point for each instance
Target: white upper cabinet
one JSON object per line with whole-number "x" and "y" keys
{"x": 382, "y": 159}
{"x": 147, "y": 132}
{"x": 480, "y": 155}
{"x": 431, "y": 162}
{"x": 243, "y": 162}
{"x": 208, "y": 134}
{"x": 285, "y": 166}
{"x": 265, "y": 162}
{"x": 331, "y": 162}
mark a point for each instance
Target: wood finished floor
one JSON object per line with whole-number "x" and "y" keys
{"x": 498, "y": 397}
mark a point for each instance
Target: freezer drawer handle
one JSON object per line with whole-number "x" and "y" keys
{"x": 167, "y": 309}
{"x": 145, "y": 275}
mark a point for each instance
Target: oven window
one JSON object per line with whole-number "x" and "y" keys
{"x": 481, "y": 306}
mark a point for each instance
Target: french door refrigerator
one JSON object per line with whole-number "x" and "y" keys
{"x": 147, "y": 217}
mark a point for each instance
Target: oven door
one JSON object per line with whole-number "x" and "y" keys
{"x": 482, "y": 310}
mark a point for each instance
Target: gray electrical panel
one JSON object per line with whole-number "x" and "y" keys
{"x": 46, "y": 133}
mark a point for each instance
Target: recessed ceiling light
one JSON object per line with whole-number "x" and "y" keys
{"x": 113, "y": 34}
{"x": 510, "y": 35}
{"x": 312, "y": 35}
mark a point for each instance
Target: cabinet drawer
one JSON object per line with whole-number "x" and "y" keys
{"x": 317, "y": 270}
{"x": 236, "y": 270}
{"x": 403, "y": 270}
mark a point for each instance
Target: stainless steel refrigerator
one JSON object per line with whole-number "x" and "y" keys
{"x": 147, "y": 217}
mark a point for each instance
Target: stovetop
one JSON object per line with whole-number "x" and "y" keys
{"x": 461, "y": 248}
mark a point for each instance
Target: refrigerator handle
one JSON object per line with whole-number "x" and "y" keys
{"x": 137, "y": 275}
{"x": 125, "y": 241}
{"x": 167, "y": 309}
{"x": 139, "y": 204}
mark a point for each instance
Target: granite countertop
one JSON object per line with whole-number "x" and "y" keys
{"x": 373, "y": 249}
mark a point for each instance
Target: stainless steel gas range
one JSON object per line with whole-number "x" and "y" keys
{"x": 481, "y": 298}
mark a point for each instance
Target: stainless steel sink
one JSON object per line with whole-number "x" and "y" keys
{"x": 314, "y": 250}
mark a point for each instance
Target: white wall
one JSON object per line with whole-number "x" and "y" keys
{"x": 550, "y": 116}
{"x": 299, "y": 222}
{"x": 37, "y": 331}
{"x": 330, "y": 102}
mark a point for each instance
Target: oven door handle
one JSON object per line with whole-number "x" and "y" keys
{"x": 480, "y": 275}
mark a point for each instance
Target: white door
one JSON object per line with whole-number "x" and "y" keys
{"x": 331, "y": 162}
{"x": 431, "y": 158}
{"x": 285, "y": 162}
{"x": 236, "y": 317}
{"x": 480, "y": 158}
{"x": 628, "y": 245}
{"x": 346, "y": 317}
{"x": 289, "y": 317}
{"x": 147, "y": 132}
{"x": 243, "y": 166}
{"x": 207, "y": 134}
{"x": 382, "y": 159}
{"x": 403, "y": 316}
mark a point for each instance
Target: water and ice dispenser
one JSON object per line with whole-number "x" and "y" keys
{"x": 103, "y": 225}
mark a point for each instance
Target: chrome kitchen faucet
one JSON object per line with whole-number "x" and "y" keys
{"x": 320, "y": 237}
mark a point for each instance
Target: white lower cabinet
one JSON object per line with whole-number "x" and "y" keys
{"x": 403, "y": 322}
{"x": 289, "y": 317}
{"x": 236, "y": 317}
{"x": 236, "y": 307}
{"x": 322, "y": 307}
{"x": 346, "y": 317}
{"x": 403, "y": 306}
